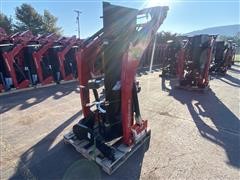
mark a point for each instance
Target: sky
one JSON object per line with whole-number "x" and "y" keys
{"x": 183, "y": 15}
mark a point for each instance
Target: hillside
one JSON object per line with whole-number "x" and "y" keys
{"x": 230, "y": 30}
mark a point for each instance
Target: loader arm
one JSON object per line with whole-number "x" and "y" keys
{"x": 86, "y": 56}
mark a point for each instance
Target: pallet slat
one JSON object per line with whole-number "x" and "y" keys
{"x": 122, "y": 152}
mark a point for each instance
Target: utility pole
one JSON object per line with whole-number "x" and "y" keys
{"x": 78, "y": 19}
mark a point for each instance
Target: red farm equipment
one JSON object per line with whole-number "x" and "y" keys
{"x": 112, "y": 128}
{"x": 61, "y": 65}
{"x": 230, "y": 53}
{"x": 90, "y": 66}
{"x": 223, "y": 58}
{"x": 67, "y": 61}
{"x": 169, "y": 58}
{"x": 14, "y": 59}
{"x": 194, "y": 62}
{"x": 41, "y": 59}
{"x": 234, "y": 45}
{"x": 164, "y": 57}
{"x": 4, "y": 43}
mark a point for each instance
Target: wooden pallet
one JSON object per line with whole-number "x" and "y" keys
{"x": 122, "y": 152}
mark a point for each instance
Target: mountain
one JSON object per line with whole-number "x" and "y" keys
{"x": 230, "y": 30}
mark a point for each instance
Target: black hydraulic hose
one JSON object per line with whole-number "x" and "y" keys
{"x": 95, "y": 93}
{"x": 135, "y": 101}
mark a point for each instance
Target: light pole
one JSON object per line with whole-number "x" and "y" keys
{"x": 78, "y": 19}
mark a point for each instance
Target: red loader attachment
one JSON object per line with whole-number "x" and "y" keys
{"x": 230, "y": 53}
{"x": 59, "y": 66}
{"x": 3, "y": 38}
{"x": 90, "y": 67}
{"x": 224, "y": 57}
{"x": 234, "y": 45}
{"x": 112, "y": 128}
{"x": 169, "y": 59}
{"x": 13, "y": 58}
{"x": 66, "y": 61}
{"x": 194, "y": 62}
{"x": 41, "y": 59}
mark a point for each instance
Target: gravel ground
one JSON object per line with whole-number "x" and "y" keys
{"x": 195, "y": 135}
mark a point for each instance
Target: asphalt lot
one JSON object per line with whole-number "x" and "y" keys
{"x": 194, "y": 135}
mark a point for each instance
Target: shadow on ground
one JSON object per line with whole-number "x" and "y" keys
{"x": 234, "y": 69}
{"x": 233, "y": 81}
{"x": 204, "y": 107}
{"x": 62, "y": 161}
{"x": 227, "y": 78}
{"x": 9, "y": 101}
{"x": 237, "y": 64}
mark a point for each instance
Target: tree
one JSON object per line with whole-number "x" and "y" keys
{"x": 50, "y": 23}
{"x": 6, "y": 23}
{"x": 163, "y": 37}
{"x": 28, "y": 19}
